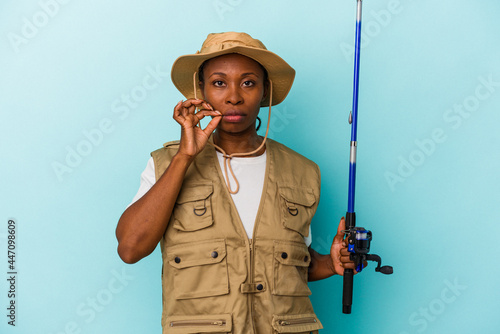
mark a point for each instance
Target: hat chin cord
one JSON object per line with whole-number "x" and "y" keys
{"x": 228, "y": 157}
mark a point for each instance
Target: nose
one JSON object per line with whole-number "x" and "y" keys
{"x": 234, "y": 96}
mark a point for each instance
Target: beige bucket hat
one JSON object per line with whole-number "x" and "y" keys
{"x": 280, "y": 73}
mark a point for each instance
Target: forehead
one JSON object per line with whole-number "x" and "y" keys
{"x": 233, "y": 62}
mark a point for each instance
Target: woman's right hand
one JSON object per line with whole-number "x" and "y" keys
{"x": 193, "y": 138}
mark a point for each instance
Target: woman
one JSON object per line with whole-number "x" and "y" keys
{"x": 231, "y": 210}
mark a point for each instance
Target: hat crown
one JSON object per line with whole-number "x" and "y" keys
{"x": 220, "y": 41}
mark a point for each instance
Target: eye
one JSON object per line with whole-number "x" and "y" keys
{"x": 248, "y": 83}
{"x": 218, "y": 83}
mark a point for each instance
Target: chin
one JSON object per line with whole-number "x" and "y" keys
{"x": 234, "y": 129}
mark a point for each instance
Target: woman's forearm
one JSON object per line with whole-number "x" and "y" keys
{"x": 143, "y": 224}
{"x": 321, "y": 266}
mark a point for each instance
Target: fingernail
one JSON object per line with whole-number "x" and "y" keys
{"x": 217, "y": 111}
{"x": 179, "y": 102}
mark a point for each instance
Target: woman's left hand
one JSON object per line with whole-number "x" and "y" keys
{"x": 339, "y": 252}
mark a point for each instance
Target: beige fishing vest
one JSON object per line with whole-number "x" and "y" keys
{"x": 215, "y": 279}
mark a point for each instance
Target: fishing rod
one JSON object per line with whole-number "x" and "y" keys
{"x": 358, "y": 237}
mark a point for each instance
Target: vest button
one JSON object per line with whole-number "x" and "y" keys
{"x": 260, "y": 287}
{"x": 306, "y": 258}
{"x": 284, "y": 255}
{"x": 214, "y": 254}
{"x": 177, "y": 259}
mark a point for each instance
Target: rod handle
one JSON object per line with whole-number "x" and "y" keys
{"x": 347, "y": 293}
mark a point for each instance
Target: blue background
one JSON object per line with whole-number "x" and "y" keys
{"x": 426, "y": 173}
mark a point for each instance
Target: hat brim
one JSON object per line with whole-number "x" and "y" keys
{"x": 280, "y": 73}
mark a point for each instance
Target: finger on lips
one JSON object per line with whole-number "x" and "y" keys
{"x": 204, "y": 112}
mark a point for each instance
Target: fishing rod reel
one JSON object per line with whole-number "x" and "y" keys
{"x": 358, "y": 244}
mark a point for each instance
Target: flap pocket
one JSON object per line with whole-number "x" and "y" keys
{"x": 199, "y": 269}
{"x": 297, "y": 208}
{"x": 193, "y": 209}
{"x": 196, "y": 254}
{"x": 194, "y": 192}
{"x": 291, "y": 265}
{"x": 296, "y": 323}
{"x": 217, "y": 323}
{"x": 302, "y": 196}
{"x": 292, "y": 254}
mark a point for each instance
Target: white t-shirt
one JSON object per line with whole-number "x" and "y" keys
{"x": 250, "y": 173}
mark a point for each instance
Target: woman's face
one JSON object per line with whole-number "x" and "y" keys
{"x": 234, "y": 85}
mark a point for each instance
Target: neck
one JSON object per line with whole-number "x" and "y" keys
{"x": 233, "y": 143}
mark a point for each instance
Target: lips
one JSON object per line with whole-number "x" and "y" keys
{"x": 233, "y": 116}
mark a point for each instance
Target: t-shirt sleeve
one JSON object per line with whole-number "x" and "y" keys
{"x": 148, "y": 179}
{"x": 308, "y": 239}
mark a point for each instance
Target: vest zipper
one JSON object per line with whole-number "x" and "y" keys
{"x": 251, "y": 260}
{"x": 250, "y": 246}
{"x": 181, "y": 323}
{"x": 292, "y": 322}
{"x": 250, "y": 295}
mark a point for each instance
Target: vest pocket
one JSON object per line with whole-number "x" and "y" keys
{"x": 200, "y": 269}
{"x": 291, "y": 264}
{"x": 193, "y": 209}
{"x": 217, "y": 323}
{"x": 296, "y": 208}
{"x": 296, "y": 323}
